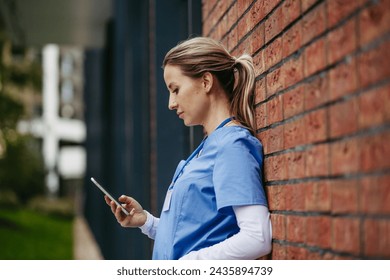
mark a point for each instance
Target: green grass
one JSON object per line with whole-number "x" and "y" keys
{"x": 28, "y": 235}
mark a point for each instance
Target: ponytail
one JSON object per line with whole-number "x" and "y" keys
{"x": 242, "y": 103}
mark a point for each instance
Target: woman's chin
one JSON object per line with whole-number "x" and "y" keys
{"x": 188, "y": 123}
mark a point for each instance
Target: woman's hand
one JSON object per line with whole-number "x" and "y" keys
{"x": 137, "y": 216}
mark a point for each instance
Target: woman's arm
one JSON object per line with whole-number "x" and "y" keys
{"x": 251, "y": 242}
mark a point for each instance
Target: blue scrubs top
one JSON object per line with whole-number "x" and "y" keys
{"x": 227, "y": 173}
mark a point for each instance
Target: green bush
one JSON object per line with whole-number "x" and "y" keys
{"x": 8, "y": 200}
{"x": 21, "y": 168}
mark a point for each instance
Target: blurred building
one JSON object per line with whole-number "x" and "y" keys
{"x": 107, "y": 106}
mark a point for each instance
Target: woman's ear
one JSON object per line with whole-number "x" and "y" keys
{"x": 207, "y": 81}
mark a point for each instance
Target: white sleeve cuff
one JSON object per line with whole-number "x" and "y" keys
{"x": 150, "y": 226}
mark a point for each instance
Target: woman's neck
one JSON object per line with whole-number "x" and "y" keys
{"x": 219, "y": 112}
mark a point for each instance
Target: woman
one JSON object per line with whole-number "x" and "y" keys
{"x": 215, "y": 207}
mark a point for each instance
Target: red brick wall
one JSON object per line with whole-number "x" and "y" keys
{"x": 323, "y": 116}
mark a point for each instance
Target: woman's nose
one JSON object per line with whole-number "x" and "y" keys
{"x": 172, "y": 103}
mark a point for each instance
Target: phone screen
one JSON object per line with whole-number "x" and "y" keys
{"x": 109, "y": 195}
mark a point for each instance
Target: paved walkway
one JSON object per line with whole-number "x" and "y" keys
{"x": 84, "y": 244}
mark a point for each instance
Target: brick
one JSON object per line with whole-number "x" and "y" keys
{"x": 345, "y": 196}
{"x": 318, "y": 196}
{"x": 318, "y": 231}
{"x": 206, "y": 26}
{"x": 258, "y": 38}
{"x": 206, "y": 8}
{"x": 232, "y": 15}
{"x": 306, "y": 4}
{"x": 342, "y": 41}
{"x": 340, "y": 9}
{"x": 320, "y": 256}
{"x": 263, "y": 137}
{"x": 261, "y": 116}
{"x": 225, "y": 41}
{"x": 278, "y": 252}
{"x": 242, "y": 5}
{"x": 317, "y": 161}
{"x": 291, "y": 10}
{"x": 273, "y": 24}
{"x": 247, "y": 45}
{"x": 343, "y": 118}
{"x": 374, "y": 21}
{"x": 276, "y": 198}
{"x": 295, "y": 198}
{"x": 256, "y": 15}
{"x": 273, "y": 53}
{"x": 212, "y": 21}
{"x": 375, "y": 152}
{"x": 346, "y": 235}
{"x": 239, "y": 50}
{"x": 267, "y": 6}
{"x": 258, "y": 63}
{"x": 345, "y": 157}
{"x": 276, "y": 139}
{"x": 244, "y": 25}
{"x": 258, "y": 12}
{"x": 294, "y": 133}
{"x": 221, "y": 8}
{"x": 373, "y": 65}
{"x": 315, "y": 57}
{"x": 232, "y": 39}
{"x": 224, "y": 24}
{"x": 343, "y": 79}
{"x": 296, "y": 253}
{"x": 278, "y": 226}
{"x": 293, "y": 101}
{"x": 274, "y": 168}
{"x": 292, "y": 71}
{"x": 295, "y": 165}
{"x": 314, "y": 23}
{"x": 292, "y": 39}
{"x": 275, "y": 110}
{"x": 377, "y": 238}
{"x": 296, "y": 228}
{"x": 316, "y": 126}
{"x": 219, "y": 30}
{"x": 316, "y": 92}
{"x": 375, "y": 195}
{"x": 274, "y": 81}
{"x": 374, "y": 107}
{"x": 260, "y": 90}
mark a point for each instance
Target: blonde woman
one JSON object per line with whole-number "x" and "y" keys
{"x": 215, "y": 207}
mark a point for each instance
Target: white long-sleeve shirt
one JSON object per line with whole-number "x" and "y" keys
{"x": 251, "y": 242}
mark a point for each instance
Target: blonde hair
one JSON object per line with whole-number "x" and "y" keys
{"x": 199, "y": 55}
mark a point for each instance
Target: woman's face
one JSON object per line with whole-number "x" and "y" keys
{"x": 187, "y": 96}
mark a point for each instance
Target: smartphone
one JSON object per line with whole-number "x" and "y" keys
{"x": 109, "y": 195}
